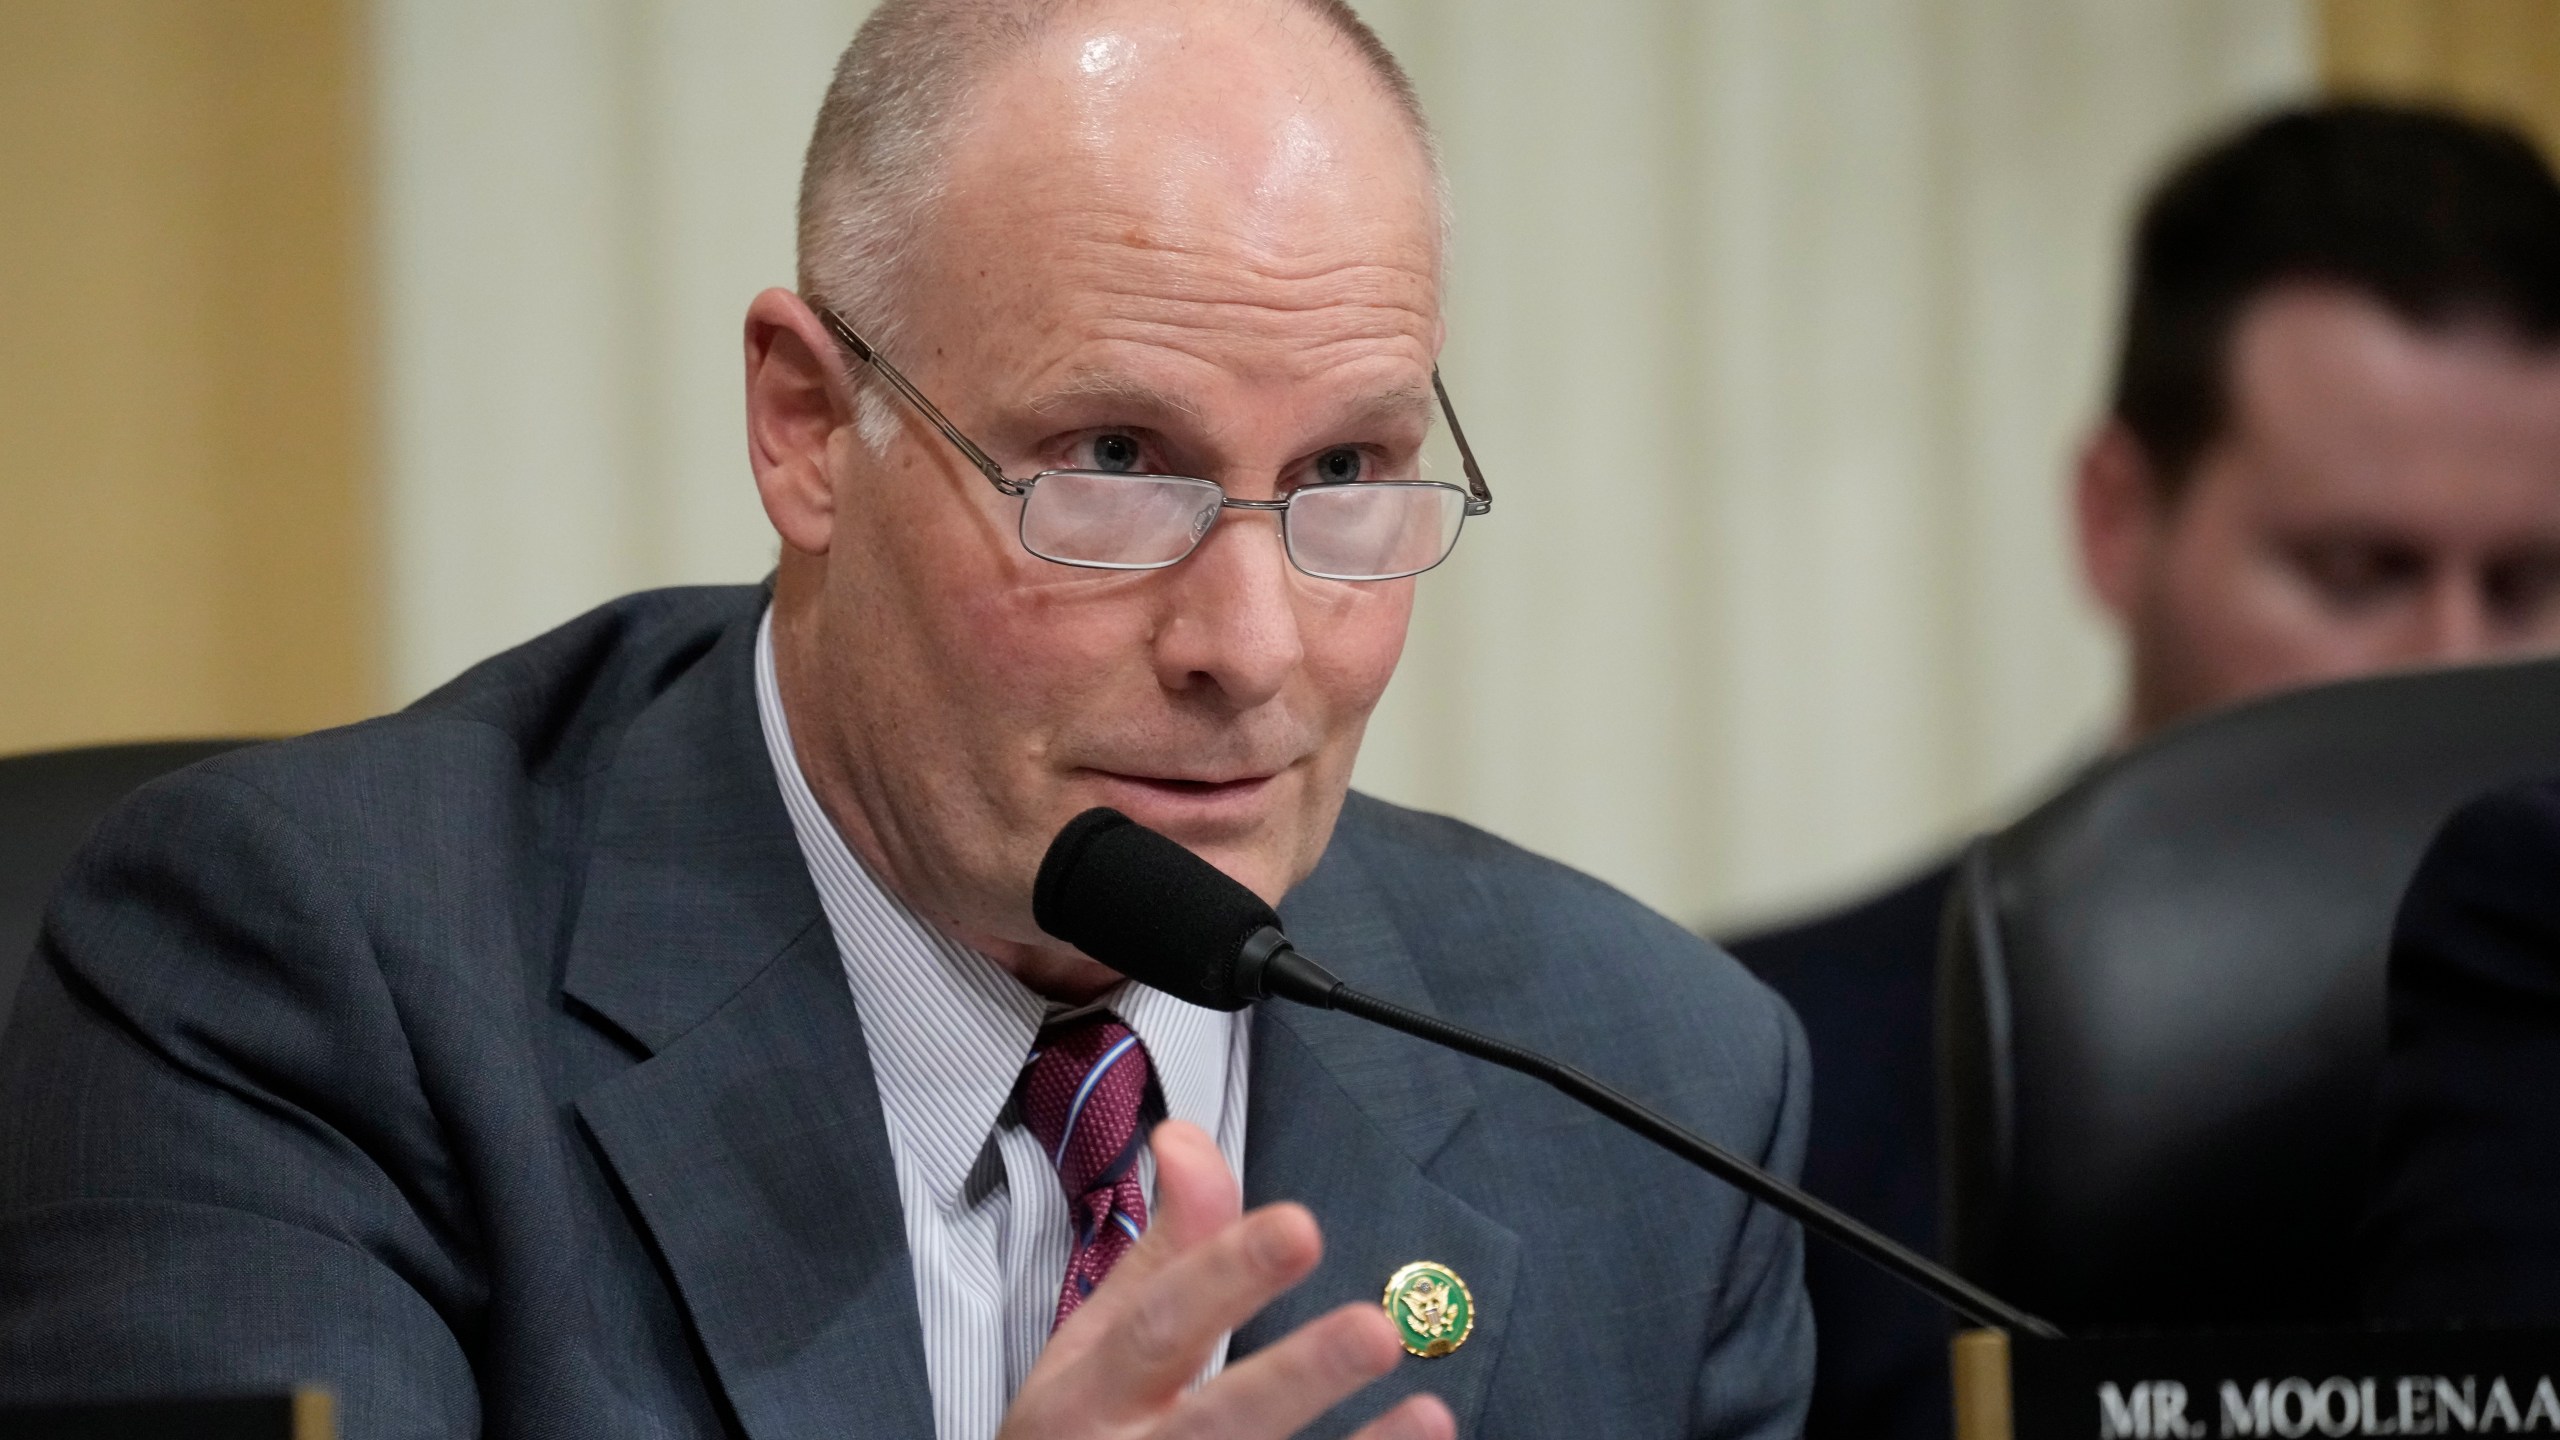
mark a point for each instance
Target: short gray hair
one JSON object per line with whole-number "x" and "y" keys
{"x": 905, "y": 84}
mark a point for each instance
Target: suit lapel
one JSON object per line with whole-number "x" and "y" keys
{"x": 1346, "y": 1118}
{"x": 750, "y": 1141}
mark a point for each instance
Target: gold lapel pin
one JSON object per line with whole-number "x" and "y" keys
{"x": 1433, "y": 1310}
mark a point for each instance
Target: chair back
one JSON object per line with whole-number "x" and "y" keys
{"x": 2160, "y": 999}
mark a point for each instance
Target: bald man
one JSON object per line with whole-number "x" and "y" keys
{"x": 649, "y": 1033}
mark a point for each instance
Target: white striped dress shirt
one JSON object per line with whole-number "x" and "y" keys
{"x": 988, "y": 1229}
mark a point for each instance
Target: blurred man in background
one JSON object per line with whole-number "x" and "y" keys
{"x": 2333, "y": 448}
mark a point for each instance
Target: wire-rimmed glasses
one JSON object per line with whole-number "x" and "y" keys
{"x": 1128, "y": 520}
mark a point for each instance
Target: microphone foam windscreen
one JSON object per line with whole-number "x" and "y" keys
{"x": 1140, "y": 903}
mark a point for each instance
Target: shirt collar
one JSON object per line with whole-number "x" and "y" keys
{"x": 948, "y": 1029}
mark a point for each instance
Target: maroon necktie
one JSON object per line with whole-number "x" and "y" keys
{"x": 1083, "y": 1091}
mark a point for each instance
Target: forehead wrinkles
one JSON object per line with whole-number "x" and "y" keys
{"x": 1349, "y": 303}
{"x": 1215, "y": 294}
{"x": 1373, "y": 268}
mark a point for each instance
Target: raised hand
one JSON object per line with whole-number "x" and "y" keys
{"x": 1118, "y": 1368}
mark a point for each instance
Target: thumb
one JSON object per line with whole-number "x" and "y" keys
{"x": 1196, "y": 1197}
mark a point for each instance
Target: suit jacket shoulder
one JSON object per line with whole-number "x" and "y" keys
{"x": 1565, "y": 960}
{"x": 322, "y": 1001}
{"x": 491, "y": 763}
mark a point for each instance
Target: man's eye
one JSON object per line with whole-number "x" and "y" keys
{"x": 1115, "y": 452}
{"x": 2350, "y": 574}
{"x": 1340, "y": 466}
{"x": 2524, "y": 589}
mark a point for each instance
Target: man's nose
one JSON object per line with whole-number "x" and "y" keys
{"x": 1231, "y": 621}
{"x": 2456, "y": 625}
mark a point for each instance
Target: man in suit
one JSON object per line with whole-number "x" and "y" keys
{"x": 2333, "y": 448}
{"x": 649, "y": 1033}
{"x": 2464, "y": 1225}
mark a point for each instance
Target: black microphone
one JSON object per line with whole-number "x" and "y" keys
{"x": 1140, "y": 903}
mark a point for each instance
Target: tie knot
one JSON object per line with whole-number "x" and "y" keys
{"x": 1084, "y": 1092}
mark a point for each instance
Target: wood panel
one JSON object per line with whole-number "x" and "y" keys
{"x": 2499, "y": 57}
{"x": 186, "y": 538}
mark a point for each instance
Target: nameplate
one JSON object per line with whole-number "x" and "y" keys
{"x": 2289, "y": 1384}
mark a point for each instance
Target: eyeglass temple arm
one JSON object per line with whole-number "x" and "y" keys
{"x": 862, "y": 351}
{"x": 1479, "y": 495}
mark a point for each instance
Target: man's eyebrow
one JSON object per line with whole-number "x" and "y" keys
{"x": 1090, "y": 385}
{"x": 1394, "y": 403}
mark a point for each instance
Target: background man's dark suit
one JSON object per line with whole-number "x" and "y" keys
{"x": 1863, "y": 981}
{"x": 2466, "y": 1216}
{"x": 493, "y": 1064}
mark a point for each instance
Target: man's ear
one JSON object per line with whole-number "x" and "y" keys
{"x": 2120, "y": 510}
{"x": 796, "y": 404}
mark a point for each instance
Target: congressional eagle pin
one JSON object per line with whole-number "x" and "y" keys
{"x": 1433, "y": 1310}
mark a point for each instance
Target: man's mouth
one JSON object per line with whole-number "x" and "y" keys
{"x": 1189, "y": 788}
{"x": 1196, "y": 809}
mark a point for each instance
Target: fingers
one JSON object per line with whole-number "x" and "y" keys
{"x": 1278, "y": 1391}
{"x": 1139, "y": 1343}
{"x": 1201, "y": 1271}
{"x": 1420, "y": 1417}
{"x": 1196, "y": 1197}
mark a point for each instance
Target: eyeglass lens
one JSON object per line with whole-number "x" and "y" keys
{"x": 1374, "y": 531}
{"x": 1134, "y": 522}
{"x": 1365, "y": 531}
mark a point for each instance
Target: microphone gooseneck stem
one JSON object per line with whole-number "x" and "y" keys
{"x": 1293, "y": 977}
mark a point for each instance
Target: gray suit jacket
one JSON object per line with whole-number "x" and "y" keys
{"x": 492, "y": 1064}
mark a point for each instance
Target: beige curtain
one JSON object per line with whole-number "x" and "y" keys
{"x": 578, "y": 198}
{"x": 1774, "y": 321}
{"x": 1781, "y": 320}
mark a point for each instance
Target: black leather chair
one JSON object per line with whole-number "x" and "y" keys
{"x": 49, "y": 802}
{"x": 2160, "y": 999}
